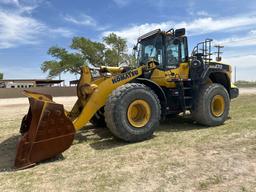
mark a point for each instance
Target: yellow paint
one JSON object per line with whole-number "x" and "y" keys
{"x": 233, "y": 85}
{"x": 229, "y": 72}
{"x": 139, "y": 113}
{"x": 113, "y": 70}
{"x": 37, "y": 96}
{"x": 163, "y": 78}
{"x": 98, "y": 98}
{"x": 93, "y": 93}
{"x": 218, "y": 105}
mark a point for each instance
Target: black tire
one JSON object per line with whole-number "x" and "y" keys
{"x": 202, "y": 112}
{"x": 98, "y": 120}
{"x": 116, "y": 112}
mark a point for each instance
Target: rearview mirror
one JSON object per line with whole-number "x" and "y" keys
{"x": 180, "y": 32}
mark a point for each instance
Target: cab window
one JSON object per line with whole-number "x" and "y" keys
{"x": 151, "y": 48}
{"x": 183, "y": 56}
{"x": 150, "y": 51}
{"x": 172, "y": 53}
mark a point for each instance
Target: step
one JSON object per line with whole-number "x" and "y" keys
{"x": 179, "y": 80}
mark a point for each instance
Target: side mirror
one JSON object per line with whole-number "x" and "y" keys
{"x": 135, "y": 47}
{"x": 180, "y": 32}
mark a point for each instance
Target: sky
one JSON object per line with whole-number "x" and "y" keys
{"x": 29, "y": 27}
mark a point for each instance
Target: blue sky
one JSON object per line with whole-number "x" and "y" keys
{"x": 29, "y": 27}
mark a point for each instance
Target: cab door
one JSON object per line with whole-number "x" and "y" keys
{"x": 175, "y": 65}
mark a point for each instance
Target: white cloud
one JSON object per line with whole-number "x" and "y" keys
{"x": 10, "y": 2}
{"x": 18, "y": 27}
{"x": 202, "y": 13}
{"x": 238, "y": 41}
{"x": 209, "y": 24}
{"x": 21, "y": 6}
{"x": 121, "y": 3}
{"x": 245, "y": 65}
{"x": 246, "y": 40}
{"x": 241, "y": 61}
{"x": 253, "y": 32}
{"x": 61, "y": 31}
{"x": 131, "y": 34}
{"x": 83, "y": 19}
{"x": 87, "y": 21}
{"x": 195, "y": 27}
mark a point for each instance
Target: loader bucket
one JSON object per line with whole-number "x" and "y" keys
{"x": 46, "y": 131}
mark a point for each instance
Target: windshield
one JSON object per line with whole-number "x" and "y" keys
{"x": 150, "y": 49}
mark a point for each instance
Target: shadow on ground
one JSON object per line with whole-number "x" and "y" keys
{"x": 177, "y": 124}
{"x": 7, "y": 153}
{"x": 97, "y": 138}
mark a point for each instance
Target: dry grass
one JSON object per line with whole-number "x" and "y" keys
{"x": 182, "y": 156}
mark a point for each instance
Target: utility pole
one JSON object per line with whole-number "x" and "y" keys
{"x": 235, "y": 75}
{"x": 218, "y": 58}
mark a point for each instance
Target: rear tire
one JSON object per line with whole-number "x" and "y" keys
{"x": 118, "y": 112}
{"x": 212, "y": 104}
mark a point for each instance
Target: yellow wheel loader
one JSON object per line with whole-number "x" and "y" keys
{"x": 131, "y": 101}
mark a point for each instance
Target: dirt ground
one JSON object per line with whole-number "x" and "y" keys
{"x": 181, "y": 156}
{"x": 247, "y": 91}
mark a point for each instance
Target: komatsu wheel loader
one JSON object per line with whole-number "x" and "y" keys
{"x": 130, "y": 101}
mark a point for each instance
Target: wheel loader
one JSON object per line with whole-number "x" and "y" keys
{"x": 130, "y": 101}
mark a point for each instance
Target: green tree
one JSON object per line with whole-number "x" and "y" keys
{"x": 91, "y": 51}
{"x": 111, "y": 52}
{"x": 130, "y": 60}
{"x": 1, "y": 76}
{"x": 115, "y": 54}
{"x": 63, "y": 62}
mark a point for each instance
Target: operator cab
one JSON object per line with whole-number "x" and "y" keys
{"x": 167, "y": 49}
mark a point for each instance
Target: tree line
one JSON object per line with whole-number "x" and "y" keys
{"x": 111, "y": 51}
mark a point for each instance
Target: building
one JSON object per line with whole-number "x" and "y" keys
{"x": 73, "y": 83}
{"x": 27, "y": 83}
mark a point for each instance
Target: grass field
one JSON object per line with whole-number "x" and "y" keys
{"x": 181, "y": 156}
{"x": 245, "y": 84}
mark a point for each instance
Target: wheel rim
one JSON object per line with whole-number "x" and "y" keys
{"x": 139, "y": 113}
{"x": 218, "y": 105}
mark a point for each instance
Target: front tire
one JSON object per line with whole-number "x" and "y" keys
{"x": 211, "y": 107}
{"x": 132, "y": 112}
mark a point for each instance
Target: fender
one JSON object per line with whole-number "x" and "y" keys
{"x": 158, "y": 91}
{"x": 218, "y": 73}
